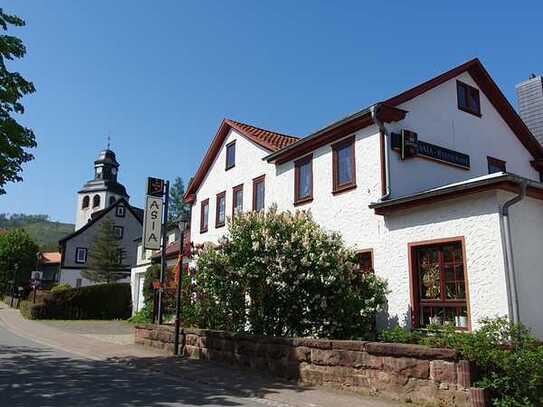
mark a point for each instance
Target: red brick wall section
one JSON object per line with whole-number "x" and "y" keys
{"x": 409, "y": 373}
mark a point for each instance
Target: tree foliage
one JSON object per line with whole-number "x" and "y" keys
{"x": 18, "y": 255}
{"x": 105, "y": 258}
{"x": 177, "y": 207}
{"x": 281, "y": 274}
{"x": 15, "y": 138}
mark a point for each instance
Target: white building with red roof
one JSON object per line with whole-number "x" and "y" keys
{"x": 440, "y": 181}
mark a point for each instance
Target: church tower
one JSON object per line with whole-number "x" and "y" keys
{"x": 102, "y": 191}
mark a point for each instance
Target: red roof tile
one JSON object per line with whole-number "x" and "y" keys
{"x": 50, "y": 258}
{"x": 269, "y": 139}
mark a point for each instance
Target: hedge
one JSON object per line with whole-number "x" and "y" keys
{"x": 101, "y": 301}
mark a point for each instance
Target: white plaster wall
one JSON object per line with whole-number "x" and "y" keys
{"x": 249, "y": 165}
{"x": 436, "y": 118}
{"x": 137, "y": 277}
{"x": 527, "y": 238}
{"x": 346, "y": 212}
{"x": 476, "y": 218}
{"x": 82, "y": 216}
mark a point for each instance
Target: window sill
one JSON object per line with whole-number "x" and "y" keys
{"x": 303, "y": 201}
{"x": 203, "y": 230}
{"x": 229, "y": 168}
{"x": 343, "y": 188}
{"x": 219, "y": 225}
{"x": 478, "y": 114}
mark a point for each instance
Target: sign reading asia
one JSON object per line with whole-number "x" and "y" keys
{"x": 408, "y": 144}
{"x": 152, "y": 217}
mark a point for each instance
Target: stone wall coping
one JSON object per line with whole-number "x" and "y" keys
{"x": 373, "y": 348}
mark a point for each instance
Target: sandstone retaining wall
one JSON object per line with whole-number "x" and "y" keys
{"x": 403, "y": 372}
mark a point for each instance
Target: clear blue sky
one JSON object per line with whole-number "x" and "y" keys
{"x": 159, "y": 76}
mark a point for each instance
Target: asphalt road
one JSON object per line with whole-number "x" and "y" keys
{"x": 35, "y": 375}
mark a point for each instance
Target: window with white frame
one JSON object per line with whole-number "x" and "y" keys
{"x": 81, "y": 255}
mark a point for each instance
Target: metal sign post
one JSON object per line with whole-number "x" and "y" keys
{"x": 155, "y": 229}
{"x": 163, "y": 252}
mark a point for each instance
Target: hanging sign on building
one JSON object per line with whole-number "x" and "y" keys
{"x": 152, "y": 217}
{"x": 408, "y": 145}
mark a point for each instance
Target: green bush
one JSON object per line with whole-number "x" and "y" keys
{"x": 60, "y": 287}
{"x": 101, "y": 301}
{"x": 32, "y": 311}
{"x": 281, "y": 274}
{"x": 508, "y": 360}
{"x": 143, "y": 316}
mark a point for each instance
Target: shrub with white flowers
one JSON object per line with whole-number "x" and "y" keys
{"x": 280, "y": 274}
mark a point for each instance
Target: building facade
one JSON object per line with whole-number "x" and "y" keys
{"x": 421, "y": 185}
{"x": 100, "y": 199}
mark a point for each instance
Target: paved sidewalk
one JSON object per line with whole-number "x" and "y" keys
{"x": 244, "y": 383}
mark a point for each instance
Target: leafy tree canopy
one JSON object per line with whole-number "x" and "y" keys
{"x": 18, "y": 256}
{"x": 15, "y": 138}
{"x": 178, "y": 209}
{"x": 105, "y": 258}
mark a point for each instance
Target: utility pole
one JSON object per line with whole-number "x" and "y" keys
{"x": 163, "y": 252}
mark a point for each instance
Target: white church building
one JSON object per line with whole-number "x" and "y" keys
{"x": 438, "y": 188}
{"x": 101, "y": 198}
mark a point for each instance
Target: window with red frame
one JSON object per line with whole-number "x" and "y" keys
{"x": 439, "y": 282}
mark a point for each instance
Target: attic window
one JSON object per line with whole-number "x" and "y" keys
{"x": 120, "y": 211}
{"x": 231, "y": 155}
{"x": 496, "y": 165}
{"x": 468, "y": 98}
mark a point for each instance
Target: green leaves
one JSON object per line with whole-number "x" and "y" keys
{"x": 105, "y": 260}
{"x": 15, "y": 139}
{"x": 18, "y": 257}
{"x": 508, "y": 360}
{"x": 281, "y": 274}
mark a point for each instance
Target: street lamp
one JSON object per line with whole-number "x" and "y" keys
{"x": 182, "y": 225}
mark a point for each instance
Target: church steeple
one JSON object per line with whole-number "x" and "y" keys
{"x": 102, "y": 191}
{"x": 106, "y": 166}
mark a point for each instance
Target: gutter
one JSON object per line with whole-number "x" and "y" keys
{"x": 374, "y": 110}
{"x": 272, "y": 156}
{"x": 512, "y": 296}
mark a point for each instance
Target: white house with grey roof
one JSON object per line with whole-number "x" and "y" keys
{"x": 437, "y": 188}
{"x": 101, "y": 198}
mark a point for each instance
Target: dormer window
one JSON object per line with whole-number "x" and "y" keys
{"x": 468, "y": 98}
{"x": 231, "y": 155}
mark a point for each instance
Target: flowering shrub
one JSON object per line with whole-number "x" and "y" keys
{"x": 281, "y": 274}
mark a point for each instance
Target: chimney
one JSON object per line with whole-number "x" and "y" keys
{"x": 530, "y": 104}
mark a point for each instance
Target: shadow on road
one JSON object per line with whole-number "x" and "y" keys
{"x": 32, "y": 376}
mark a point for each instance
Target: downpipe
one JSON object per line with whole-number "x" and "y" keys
{"x": 382, "y": 130}
{"x": 511, "y": 274}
